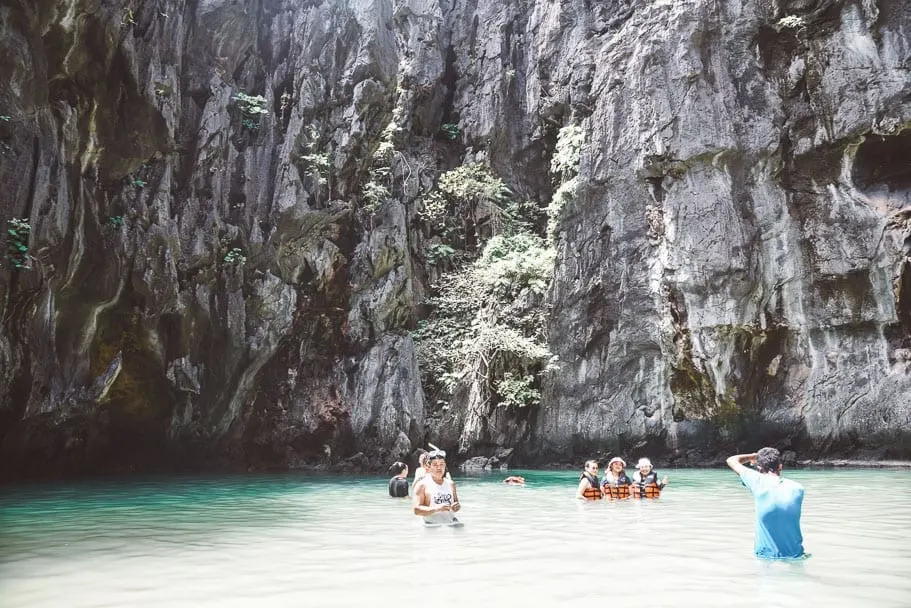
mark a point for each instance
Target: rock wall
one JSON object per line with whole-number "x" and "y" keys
{"x": 736, "y": 271}
{"x": 214, "y": 283}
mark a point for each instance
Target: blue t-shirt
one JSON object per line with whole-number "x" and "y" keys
{"x": 778, "y": 504}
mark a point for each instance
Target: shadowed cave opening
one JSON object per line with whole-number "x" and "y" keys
{"x": 882, "y": 171}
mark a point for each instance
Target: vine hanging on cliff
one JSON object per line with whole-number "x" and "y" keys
{"x": 378, "y": 189}
{"x": 252, "y": 108}
{"x": 564, "y": 170}
{"x": 17, "y": 238}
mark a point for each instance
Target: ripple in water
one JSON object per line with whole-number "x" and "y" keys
{"x": 293, "y": 540}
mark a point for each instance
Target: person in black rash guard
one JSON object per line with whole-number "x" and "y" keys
{"x": 398, "y": 485}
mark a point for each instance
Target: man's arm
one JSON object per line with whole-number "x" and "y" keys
{"x": 737, "y": 462}
{"x": 455, "y": 499}
{"x": 418, "y": 502}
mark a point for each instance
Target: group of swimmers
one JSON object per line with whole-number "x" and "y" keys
{"x": 435, "y": 497}
{"x": 399, "y": 486}
{"x": 616, "y": 485}
{"x": 778, "y": 501}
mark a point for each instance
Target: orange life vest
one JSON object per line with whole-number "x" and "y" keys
{"x": 652, "y": 490}
{"x": 615, "y": 492}
{"x": 592, "y": 492}
{"x": 648, "y": 486}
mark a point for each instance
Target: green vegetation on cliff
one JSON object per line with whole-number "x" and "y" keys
{"x": 17, "y": 236}
{"x": 487, "y": 325}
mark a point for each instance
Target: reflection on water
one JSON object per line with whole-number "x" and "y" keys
{"x": 290, "y": 540}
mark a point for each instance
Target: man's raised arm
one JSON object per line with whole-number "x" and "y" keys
{"x": 737, "y": 462}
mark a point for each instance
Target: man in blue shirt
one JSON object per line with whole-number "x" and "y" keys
{"x": 778, "y": 503}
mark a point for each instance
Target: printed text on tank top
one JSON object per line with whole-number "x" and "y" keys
{"x": 440, "y": 493}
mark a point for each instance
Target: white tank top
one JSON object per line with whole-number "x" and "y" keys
{"x": 440, "y": 494}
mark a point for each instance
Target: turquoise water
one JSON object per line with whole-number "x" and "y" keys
{"x": 293, "y": 540}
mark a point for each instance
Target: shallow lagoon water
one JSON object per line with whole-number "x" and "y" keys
{"x": 295, "y": 540}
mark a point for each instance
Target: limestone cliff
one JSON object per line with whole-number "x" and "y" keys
{"x": 216, "y": 253}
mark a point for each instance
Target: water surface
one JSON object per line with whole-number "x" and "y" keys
{"x": 293, "y": 540}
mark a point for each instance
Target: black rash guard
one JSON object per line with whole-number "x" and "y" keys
{"x": 398, "y": 487}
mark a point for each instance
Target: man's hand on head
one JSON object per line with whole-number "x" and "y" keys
{"x": 736, "y": 463}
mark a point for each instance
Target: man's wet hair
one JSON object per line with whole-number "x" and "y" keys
{"x": 397, "y": 468}
{"x": 768, "y": 460}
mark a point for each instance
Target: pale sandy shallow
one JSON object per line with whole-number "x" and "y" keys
{"x": 290, "y": 541}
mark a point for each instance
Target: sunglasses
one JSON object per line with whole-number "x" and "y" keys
{"x": 435, "y": 454}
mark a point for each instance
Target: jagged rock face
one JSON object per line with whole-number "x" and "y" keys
{"x": 146, "y": 186}
{"x": 734, "y": 269}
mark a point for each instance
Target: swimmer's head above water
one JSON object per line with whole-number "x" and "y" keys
{"x": 768, "y": 460}
{"x": 436, "y": 460}
{"x": 399, "y": 469}
{"x": 616, "y": 465}
{"x": 644, "y": 465}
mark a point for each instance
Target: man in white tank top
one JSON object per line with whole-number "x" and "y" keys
{"x": 435, "y": 497}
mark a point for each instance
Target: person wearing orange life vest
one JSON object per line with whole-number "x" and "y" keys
{"x": 588, "y": 482}
{"x": 616, "y": 484}
{"x": 645, "y": 480}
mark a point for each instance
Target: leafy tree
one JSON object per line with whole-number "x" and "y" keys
{"x": 487, "y": 324}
